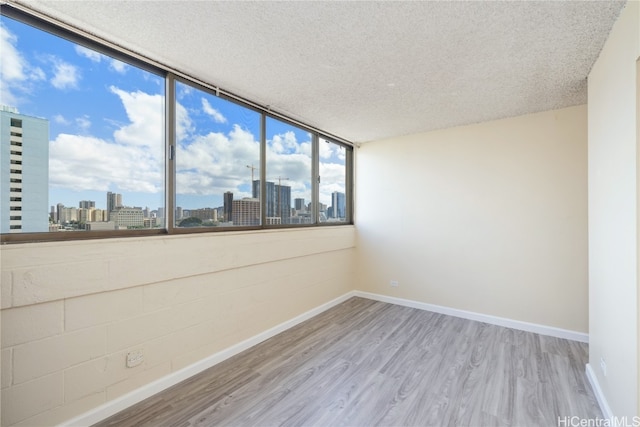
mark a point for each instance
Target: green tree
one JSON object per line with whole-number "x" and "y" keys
{"x": 191, "y": 222}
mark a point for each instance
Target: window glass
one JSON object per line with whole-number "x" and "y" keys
{"x": 288, "y": 174}
{"x": 333, "y": 172}
{"x": 83, "y": 147}
{"x": 82, "y": 137}
{"x": 217, "y": 160}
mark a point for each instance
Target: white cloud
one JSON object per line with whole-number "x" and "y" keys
{"x": 212, "y": 112}
{"x": 184, "y": 125}
{"x": 207, "y": 164}
{"x": 83, "y": 123}
{"x": 132, "y": 161}
{"x": 216, "y": 163}
{"x": 114, "y": 64}
{"x": 288, "y": 158}
{"x": 88, "y": 53}
{"x": 332, "y": 169}
{"x": 17, "y": 73}
{"x": 13, "y": 64}
{"x": 183, "y": 90}
{"x": 36, "y": 73}
{"x": 66, "y": 76}
{"x": 332, "y": 178}
{"x": 118, "y": 66}
{"x": 284, "y": 143}
{"x": 146, "y": 116}
{"x": 87, "y": 163}
{"x": 59, "y": 118}
{"x": 330, "y": 149}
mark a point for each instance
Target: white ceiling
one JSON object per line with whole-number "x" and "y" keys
{"x": 367, "y": 70}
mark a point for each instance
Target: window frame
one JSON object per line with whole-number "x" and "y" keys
{"x": 171, "y": 76}
{"x": 172, "y": 79}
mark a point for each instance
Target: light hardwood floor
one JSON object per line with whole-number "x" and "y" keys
{"x": 365, "y": 363}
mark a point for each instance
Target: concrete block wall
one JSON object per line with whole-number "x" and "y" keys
{"x": 71, "y": 311}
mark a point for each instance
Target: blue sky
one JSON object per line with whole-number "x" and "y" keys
{"x": 106, "y": 130}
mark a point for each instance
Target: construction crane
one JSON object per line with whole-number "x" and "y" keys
{"x": 280, "y": 179}
{"x": 253, "y": 168}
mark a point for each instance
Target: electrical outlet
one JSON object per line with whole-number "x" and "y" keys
{"x": 134, "y": 358}
{"x": 394, "y": 283}
{"x": 603, "y": 366}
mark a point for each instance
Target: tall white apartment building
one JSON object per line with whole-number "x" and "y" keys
{"x": 24, "y": 172}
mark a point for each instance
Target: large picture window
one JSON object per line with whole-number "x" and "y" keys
{"x": 96, "y": 142}
{"x": 333, "y": 181}
{"x": 82, "y": 137}
{"x": 288, "y": 175}
{"x": 217, "y": 161}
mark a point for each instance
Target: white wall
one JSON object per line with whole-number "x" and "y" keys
{"x": 489, "y": 218}
{"x": 72, "y": 310}
{"x": 613, "y": 215}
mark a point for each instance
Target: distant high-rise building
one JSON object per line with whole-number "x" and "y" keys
{"x": 270, "y": 201}
{"x": 114, "y": 201}
{"x": 86, "y": 204}
{"x": 220, "y": 210}
{"x": 338, "y": 205}
{"x": 127, "y": 218}
{"x": 228, "y": 206}
{"x": 100, "y": 215}
{"x": 299, "y": 205}
{"x": 24, "y": 172}
{"x": 283, "y": 203}
{"x": 67, "y": 215}
{"x": 278, "y": 200}
{"x": 84, "y": 214}
{"x": 246, "y": 212}
{"x": 59, "y": 208}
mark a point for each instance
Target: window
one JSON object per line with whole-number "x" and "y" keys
{"x": 85, "y": 148}
{"x": 333, "y": 181}
{"x": 89, "y": 124}
{"x": 217, "y": 160}
{"x": 288, "y": 176}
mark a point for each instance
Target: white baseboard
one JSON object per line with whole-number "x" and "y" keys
{"x": 114, "y": 406}
{"x": 486, "y": 318}
{"x": 602, "y": 401}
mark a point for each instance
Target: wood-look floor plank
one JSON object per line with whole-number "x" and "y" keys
{"x": 365, "y": 363}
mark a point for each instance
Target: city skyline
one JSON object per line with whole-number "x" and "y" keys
{"x": 61, "y": 213}
{"x": 107, "y": 122}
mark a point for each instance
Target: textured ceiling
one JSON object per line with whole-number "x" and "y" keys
{"x": 367, "y": 70}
